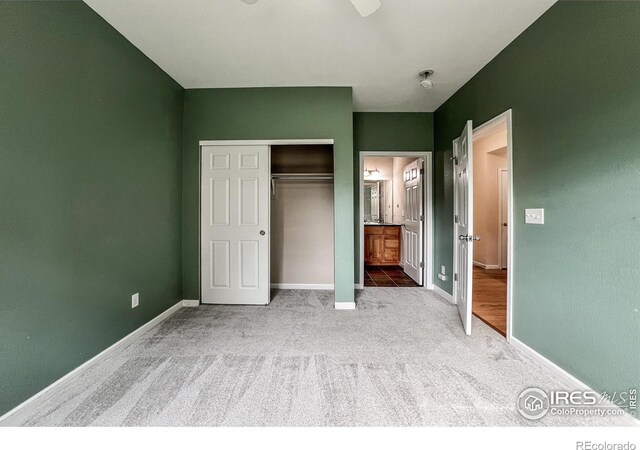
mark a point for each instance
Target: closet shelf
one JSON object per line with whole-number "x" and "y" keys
{"x": 302, "y": 176}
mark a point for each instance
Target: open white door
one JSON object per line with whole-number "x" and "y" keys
{"x": 463, "y": 224}
{"x": 234, "y": 221}
{"x": 413, "y": 221}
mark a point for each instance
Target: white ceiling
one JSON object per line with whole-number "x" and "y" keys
{"x": 227, "y": 43}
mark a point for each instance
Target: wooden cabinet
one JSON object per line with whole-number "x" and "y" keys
{"x": 382, "y": 245}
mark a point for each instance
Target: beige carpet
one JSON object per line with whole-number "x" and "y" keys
{"x": 400, "y": 359}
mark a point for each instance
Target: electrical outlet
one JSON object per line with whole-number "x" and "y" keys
{"x": 135, "y": 300}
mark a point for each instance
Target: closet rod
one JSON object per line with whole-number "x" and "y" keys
{"x": 297, "y": 176}
{"x": 302, "y": 176}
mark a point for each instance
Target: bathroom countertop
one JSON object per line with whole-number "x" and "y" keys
{"x": 374, "y": 224}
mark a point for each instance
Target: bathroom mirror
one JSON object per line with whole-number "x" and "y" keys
{"x": 377, "y": 201}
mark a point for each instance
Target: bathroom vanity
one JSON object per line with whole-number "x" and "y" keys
{"x": 382, "y": 244}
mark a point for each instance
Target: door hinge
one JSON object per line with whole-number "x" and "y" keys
{"x": 455, "y": 277}
{"x": 455, "y": 160}
{"x": 455, "y": 218}
{"x": 421, "y": 264}
{"x": 421, "y": 218}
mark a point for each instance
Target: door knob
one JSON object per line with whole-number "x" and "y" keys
{"x": 262, "y": 232}
{"x": 504, "y": 224}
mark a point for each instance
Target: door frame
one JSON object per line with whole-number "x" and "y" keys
{"x": 428, "y": 209}
{"x": 501, "y": 187}
{"x": 485, "y": 129}
{"x": 267, "y": 142}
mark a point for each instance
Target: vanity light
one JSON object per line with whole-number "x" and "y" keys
{"x": 373, "y": 174}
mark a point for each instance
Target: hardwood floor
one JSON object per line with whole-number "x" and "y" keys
{"x": 490, "y": 298}
{"x": 387, "y": 276}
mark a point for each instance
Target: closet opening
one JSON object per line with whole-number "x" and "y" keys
{"x": 302, "y": 217}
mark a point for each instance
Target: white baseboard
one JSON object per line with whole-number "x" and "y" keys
{"x": 316, "y": 287}
{"x": 345, "y": 305}
{"x": 569, "y": 379}
{"x": 190, "y": 303}
{"x": 486, "y": 266}
{"x": 77, "y": 371}
{"x": 442, "y": 293}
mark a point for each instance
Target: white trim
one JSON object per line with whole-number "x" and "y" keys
{"x": 345, "y": 305}
{"x": 272, "y": 142}
{"x": 502, "y": 264}
{"x": 480, "y": 131}
{"x": 317, "y": 287}
{"x": 77, "y": 371}
{"x": 486, "y": 266}
{"x": 190, "y": 303}
{"x": 442, "y": 293}
{"x": 428, "y": 198}
{"x": 571, "y": 381}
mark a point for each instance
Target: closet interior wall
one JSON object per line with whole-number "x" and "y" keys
{"x": 302, "y": 237}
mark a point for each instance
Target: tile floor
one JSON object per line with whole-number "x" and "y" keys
{"x": 387, "y": 276}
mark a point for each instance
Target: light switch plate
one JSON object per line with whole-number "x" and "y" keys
{"x": 534, "y": 216}
{"x": 443, "y": 270}
{"x": 135, "y": 300}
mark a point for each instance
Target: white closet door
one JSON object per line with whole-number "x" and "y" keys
{"x": 235, "y": 225}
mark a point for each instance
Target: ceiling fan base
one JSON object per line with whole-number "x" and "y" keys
{"x": 366, "y": 7}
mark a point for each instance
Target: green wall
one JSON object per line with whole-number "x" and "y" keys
{"x": 389, "y": 132}
{"x": 90, "y": 151}
{"x": 269, "y": 113}
{"x": 572, "y": 82}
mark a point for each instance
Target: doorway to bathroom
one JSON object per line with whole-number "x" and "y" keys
{"x": 395, "y": 219}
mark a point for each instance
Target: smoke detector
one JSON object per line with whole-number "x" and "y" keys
{"x": 426, "y": 82}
